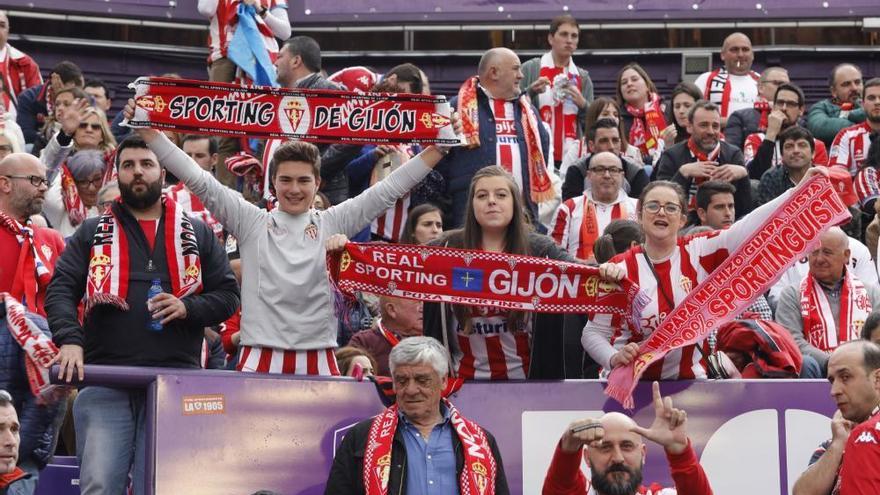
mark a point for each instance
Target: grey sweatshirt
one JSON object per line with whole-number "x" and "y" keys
{"x": 286, "y": 297}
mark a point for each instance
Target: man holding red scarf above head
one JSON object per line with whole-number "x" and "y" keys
{"x": 561, "y": 90}
{"x": 422, "y": 444}
{"x": 27, "y": 253}
{"x": 734, "y": 86}
{"x": 705, "y": 157}
{"x": 113, "y": 261}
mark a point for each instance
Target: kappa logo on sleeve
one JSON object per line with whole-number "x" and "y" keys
{"x": 866, "y": 437}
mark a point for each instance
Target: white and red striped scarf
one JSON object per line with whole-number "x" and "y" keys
{"x": 477, "y": 475}
{"x": 317, "y": 362}
{"x": 718, "y": 88}
{"x": 820, "y": 329}
{"x": 73, "y": 205}
{"x": 850, "y": 147}
{"x": 108, "y": 273}
{"x": 702, "y": 156}
{"x": 648, "y": 123}
{"x": 560, "y": 115}
{"x": 540, "y": 187}
{"x": 190, "y": 203}
{"x": 32, "y": 270}
{"x": 38, "y": 348}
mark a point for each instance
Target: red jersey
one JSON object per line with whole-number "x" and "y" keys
{"x": 50, "y": 244}
{"x": 860, "y": 470}
{"x": 850, "y": 147}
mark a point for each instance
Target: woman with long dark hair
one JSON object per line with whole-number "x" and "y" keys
{"x": 488, "y": 343}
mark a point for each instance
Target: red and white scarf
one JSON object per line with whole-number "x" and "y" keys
{"x": 590, "y": 231}
{"x": 845, "y": 108}
{"x": 718, "y": 88}
{"x": 38, "y": 348}
{"x": 702, "y": 156}
{"x": 561, "y": 115}
{"x": 32, "y": 271}
{"x": 477, "y": 475}
{"x": 648, "y": 123}
{"x": 73, "y": 205}
{"x": 108, "y": 274}
{"x": 387, "y": 334}
{"x": 764, "y": 107}
{"x": 541, "y": 189}
{"x": 190, "y": 203}
{"x": 820, "y": 329}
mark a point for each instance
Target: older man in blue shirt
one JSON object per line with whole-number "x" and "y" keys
{"x": 421, "y": 444}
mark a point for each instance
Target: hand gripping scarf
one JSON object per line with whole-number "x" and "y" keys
{"x": 480, "y": 466}
{"x": 648, "y": 123}
{"x": 32, "y": 270}
{"x": 702, "y": 156}
{"x": 38, "y": 348}
{"x": 820, "y": 329}
{"x": 108, "y": 272}
{"x": 792, "y": 230}
{"x": 541, "y": 189}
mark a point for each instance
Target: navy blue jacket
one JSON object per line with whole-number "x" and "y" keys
{"x": 460, "y": 165}
{"x": 32, "y": 111}
{"x": 38, "y": 427}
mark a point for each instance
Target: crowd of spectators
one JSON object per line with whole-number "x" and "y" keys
{"x": 148, "y": 248}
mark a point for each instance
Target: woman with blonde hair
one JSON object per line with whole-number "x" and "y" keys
{"x": 490, "y": 343}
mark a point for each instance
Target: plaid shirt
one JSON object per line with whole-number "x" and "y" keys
{"x": 773, "y": 183}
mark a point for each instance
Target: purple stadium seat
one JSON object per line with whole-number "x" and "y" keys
{"x": 59, "y": 478}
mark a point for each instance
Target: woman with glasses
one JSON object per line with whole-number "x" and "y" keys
{"x": 667, "y": 267}
{"x": 74, "y": 184}
{"x": 488, "y": 343}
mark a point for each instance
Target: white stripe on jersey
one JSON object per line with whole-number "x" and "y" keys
{"x": 850, "y": 147}
{"x": 507, "y": 150}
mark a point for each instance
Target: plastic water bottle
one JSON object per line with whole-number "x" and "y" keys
{"x": 155, "y": 289}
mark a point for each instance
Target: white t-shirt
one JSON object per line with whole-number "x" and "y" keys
{"x": 743, "y": 93}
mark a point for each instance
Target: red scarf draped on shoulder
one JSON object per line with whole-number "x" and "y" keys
{"x": 820, "y": 329}
{"x": 702, "y": 156}
{"x": 718, "y": 88}
{"x": 762, "y": 106}
{"x": 108, "y": 272}
{"x": 477, "y": 475}
{"x": 648, "y": 123}
{"x": 469, "y": 113}
{"x": 32, "y": 272}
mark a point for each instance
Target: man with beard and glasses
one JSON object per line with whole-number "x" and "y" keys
{"x": 27, "y": 253}
{"x": 110, "y": 264}
{"x": 616, "y": 455}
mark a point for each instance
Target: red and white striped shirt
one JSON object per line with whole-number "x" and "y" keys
{"x": 753, "y": 141}
{"x": 506, "y": 139}
{"x": 256, "y": 359}
{"x": 225, "y": 20}
{"x": 194, "y": 207}
{"x": 570, "y": 231}
{"x": 850, "y": 147}
{"x": 491, "y": 351}
{"x": 389, "y": 226}
{"x": 690, "y": 263}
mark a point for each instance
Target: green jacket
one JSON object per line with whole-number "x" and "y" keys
{"x": 532, "y": 70}
{"x": 824, "y": 121}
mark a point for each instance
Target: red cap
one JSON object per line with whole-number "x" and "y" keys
{"x": 843, "y": 184}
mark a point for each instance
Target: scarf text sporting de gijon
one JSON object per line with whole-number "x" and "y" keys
{"x": 308, "y": 114}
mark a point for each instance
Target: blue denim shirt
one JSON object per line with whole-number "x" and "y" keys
{"x": 430, "y": 466}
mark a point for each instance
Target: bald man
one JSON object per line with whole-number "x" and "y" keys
{"x": 830, "y": 305}
{"x": 23, "y": 186}
{"x": 398, "y": 319}
{"x": 501, "y": 137}
{"x": 734, "y": 86}
{"x": 616, "y": 454}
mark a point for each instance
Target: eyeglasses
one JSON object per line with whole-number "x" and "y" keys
{"x": 96, "y": 183}
{"x": 653, "y": 207}
{"x": 787, "y": 104}
{"x": 605, "y": 170}
{"x": 85, "y": 125}
{"x": 35, "y": 180}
